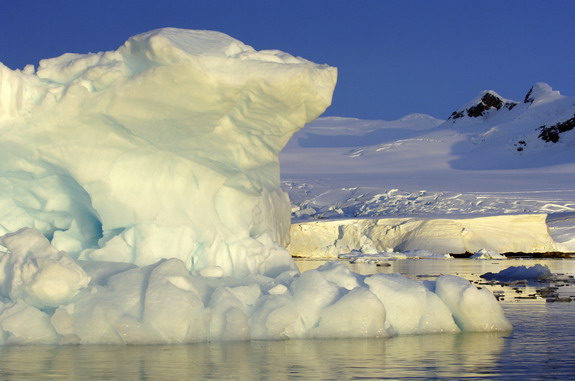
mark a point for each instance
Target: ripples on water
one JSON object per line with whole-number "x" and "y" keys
{"x": 540, "y": 347}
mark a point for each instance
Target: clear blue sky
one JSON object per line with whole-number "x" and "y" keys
{"x": 394, "y": 57}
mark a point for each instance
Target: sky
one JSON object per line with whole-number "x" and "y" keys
{"x": 394, "y": 57}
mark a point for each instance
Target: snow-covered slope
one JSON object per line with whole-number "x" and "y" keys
{"x": 491, "y": 156}
{"x": 534, "y": 133}
{"x": 492, "y": 163}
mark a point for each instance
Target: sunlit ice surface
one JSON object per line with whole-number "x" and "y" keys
{"x": 141, "y": 203}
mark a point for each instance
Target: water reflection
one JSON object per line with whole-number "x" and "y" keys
{"x": 434, "y": 267}
{"x": 425, "y": 356}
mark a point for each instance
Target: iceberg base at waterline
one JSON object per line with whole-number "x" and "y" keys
{"x": 48, "y": 297}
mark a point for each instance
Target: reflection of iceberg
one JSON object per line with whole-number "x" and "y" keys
{"x": 423, "y": 357}
{"x": 151, "y": 178}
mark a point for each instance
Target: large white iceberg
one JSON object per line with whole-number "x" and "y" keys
{"x": 166, "y": 147}
{"x": 140, "y": 202}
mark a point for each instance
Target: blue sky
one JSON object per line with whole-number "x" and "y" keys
{"x": 394, "y": 57}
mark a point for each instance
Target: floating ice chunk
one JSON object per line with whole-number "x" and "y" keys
{"x": 487, "y": 254}
{"x": 535, "y": 272}
{"x": 162, "y": 156}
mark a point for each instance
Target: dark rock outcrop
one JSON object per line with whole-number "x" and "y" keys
{"x": 552, "y": 133}
{"x": 528, "y": 96}
{"x": 488, "y": 102}
{"x": 520, "y": 145}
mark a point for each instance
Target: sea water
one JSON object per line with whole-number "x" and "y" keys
{"x": 541, "y": 345}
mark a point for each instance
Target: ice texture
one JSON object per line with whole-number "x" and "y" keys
{"x": 487, "y": 254}
{"x": 37, "y": 273}
{"x": 120, "y": 303}
{"x": 140, "y": 202}
{"x": 167, "y": 147}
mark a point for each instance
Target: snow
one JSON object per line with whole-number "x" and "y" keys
{"x": 542, "y": 93}
{"x": 488, "y": 166}
{"x": 473, "y": 161}
{"x": 140, "y": 202}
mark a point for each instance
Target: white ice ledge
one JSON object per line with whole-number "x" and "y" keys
{"x": 505, "y": 233}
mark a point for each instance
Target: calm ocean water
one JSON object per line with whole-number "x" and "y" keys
{"x": 542, "y": 346}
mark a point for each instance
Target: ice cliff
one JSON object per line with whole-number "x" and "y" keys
{"x": 526, "y": 233}
{"x": 166, "y": 147}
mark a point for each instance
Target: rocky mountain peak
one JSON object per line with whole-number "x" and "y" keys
{"x": 486, "y": 101}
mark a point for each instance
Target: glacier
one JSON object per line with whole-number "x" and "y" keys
{"x": 140, "y": 202}
{"x": 526, "y": 233}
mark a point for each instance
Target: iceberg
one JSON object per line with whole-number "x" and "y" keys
{"x": 536, "y": 272}
{"x": 166, "y": 147}
{"x": 140, "y": 203}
